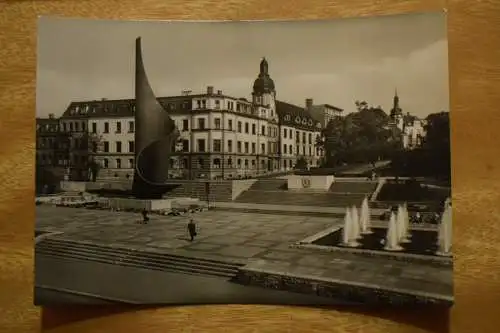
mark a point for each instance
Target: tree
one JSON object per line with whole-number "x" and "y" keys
{"x": 301, "y": 163}
{"x": 363, "y": 136}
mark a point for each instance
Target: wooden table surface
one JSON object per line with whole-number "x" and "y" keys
{"x": 474, "y": 37}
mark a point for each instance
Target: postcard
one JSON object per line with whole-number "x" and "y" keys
{"x": 269, "y": 162}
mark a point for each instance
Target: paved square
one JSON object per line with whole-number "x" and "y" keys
{"x": 224, "y": 235}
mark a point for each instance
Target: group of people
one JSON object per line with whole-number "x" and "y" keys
{"x": 191, "y": 226}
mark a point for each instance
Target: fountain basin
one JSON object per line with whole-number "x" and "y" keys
{"x": 422, "y": 246}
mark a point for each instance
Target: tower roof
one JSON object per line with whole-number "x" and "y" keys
{"x": 263, "y": 83}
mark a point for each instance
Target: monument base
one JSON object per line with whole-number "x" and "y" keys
{"x": 310, "y": 183}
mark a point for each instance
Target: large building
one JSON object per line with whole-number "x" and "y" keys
{"x": 221, "y": 136}
{"x": 412, "y": 128}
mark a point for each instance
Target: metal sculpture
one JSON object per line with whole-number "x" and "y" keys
{"x": 155, "y": 136}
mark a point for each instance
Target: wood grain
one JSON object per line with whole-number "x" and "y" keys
{"x": 474, "y": 37}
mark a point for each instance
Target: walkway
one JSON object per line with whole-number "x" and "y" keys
{"x": 113, "y": 283}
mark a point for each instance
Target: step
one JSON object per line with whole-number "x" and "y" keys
{"x": 133, "y": 256}
{"x": 122, "y": 249}
{"x": 102, "y": 248}
{"x": 140, "y": 263}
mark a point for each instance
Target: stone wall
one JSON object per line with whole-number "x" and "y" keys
{"x": 339, "y": 290}
{"x": 239, "y": 186}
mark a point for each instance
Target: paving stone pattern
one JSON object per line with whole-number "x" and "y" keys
{"x": 226, "y": 235}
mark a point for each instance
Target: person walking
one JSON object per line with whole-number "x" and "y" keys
{"x": 145, "y": 217}
{"x": 192, "y": 229}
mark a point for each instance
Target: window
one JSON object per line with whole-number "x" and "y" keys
{"x": 106, "y": 127}
{"x": 106, "y": 146}
{"x": 201, "y": 123}
{"x": 230, "y": 124}
{"x": 263, "y": 130}
{"x": 297, "y": 150}
{"x": 201, "y": 145}
{"x": 239, "y": 162}
{"x": 263, "y": 148}
{"x": 105, "y": 163}
{"x": 118, "y": 163}
{"x": 246, "y": 147}
{"x": 217, "y": 104}
{"x": 238, "y": 145}
{"x": 77, "y": 127}
{"x": 284, "y": 132}
{"x": 253, "y": 164}
{"x": 200, "y": 163}
{"x": 185, "y": 125}
{"x": 290, "y": 151}
{"x": 230, "y": 163}
{"x": 246, "y": 128}
{"x": 297, "y": 137}
{"x": 310, "y": 138}
{"x": 184, "y": 163}
{"x": 217, "y": 163}
{"x": 131, "y": 127}
{"x": 83, "y": 127}
{"x": 94, "y": 127}
{"x": 217, "y": 123}
{"x": 71, "y": 127}
{"x": 230, "y": 146}
{"x": 131, "y": 146}
{"x": 239, "y": 126}
{"x": 118, "y": 147}
{"x": 284, "y": 149}
{"x": 310, "y": 151}
{"x": 246, "y": 164}
{"x": 238, "y": 106}
{"x": 291, "y": 134}
{"x": 131, "y": 163}
{"x": 118, "y": 127}
{"x": 253, "y": 147}
{"x": 185, "y": 145}
{"x": 254, "y": 129}
{"x": 94, "y": 147}
{"x": 303, "y": 137}
{"x": 217, "y": 145}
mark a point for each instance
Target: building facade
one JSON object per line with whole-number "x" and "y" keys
{"x": 221, "y": 136}
{"x": 412, "y": 129}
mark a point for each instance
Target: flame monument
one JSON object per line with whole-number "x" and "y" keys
{"x": 155, "y": 136}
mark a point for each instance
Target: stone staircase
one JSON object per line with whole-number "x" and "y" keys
{"x": 269, "y": 185}
{"x": 74, "y": 250}
{"x": 366, "y": 188}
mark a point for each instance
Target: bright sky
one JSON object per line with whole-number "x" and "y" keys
{"x": 333, "y": 62}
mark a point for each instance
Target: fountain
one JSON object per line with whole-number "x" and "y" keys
{"x": 355, "y": 232}
{"x": 407, "y": 221}
{"x": 365, "y": 218}
{"x": 349, "y": 230}
{"x": 445, "y": 233}
{"x": 402, "y": 226}
{"x": 392, "y": 239}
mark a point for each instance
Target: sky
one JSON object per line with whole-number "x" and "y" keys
{"x": 331, "y": 61}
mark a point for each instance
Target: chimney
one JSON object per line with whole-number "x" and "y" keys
{"x": 309, "y": 103}
{"x": 219, "y": 92}
{"x": 52, "y": 116}
{"x": 210, "y": 90}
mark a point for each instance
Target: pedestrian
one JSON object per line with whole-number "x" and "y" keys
{"x": 192, "y": 229}
{"x": 145, "y": 217}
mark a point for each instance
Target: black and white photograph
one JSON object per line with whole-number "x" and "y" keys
{"x": 250, "y": 162}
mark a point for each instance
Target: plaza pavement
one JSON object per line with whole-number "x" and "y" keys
{"x": 245, "y": 237}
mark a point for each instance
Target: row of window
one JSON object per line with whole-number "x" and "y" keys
{"x": 200, "y": 163}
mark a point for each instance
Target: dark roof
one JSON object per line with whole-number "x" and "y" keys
{"x": 125, "y": 107}
{"x": 296, "y": 116}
